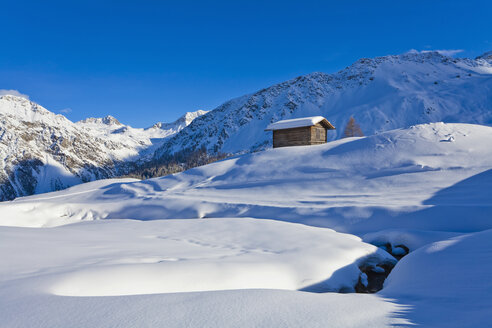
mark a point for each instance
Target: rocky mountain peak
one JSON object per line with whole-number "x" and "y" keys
{"x": 21, "y": 109}
{"x": 110, "y": 120}
{"x": 11, "y": 104}
{"x": 181, "y": 122}
{"x": 486, "y": 56}
{"x": 107, "y": 120}
{"x": 190, "y": 116}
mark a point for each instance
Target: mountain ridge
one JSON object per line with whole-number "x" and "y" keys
{"x": 362, "y": 89}
{"x": 43, "y": 151}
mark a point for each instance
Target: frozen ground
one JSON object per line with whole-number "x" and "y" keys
{"x": 426, "y": 188}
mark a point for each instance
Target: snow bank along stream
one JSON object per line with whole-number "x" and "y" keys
{"x": 129, "y": 257}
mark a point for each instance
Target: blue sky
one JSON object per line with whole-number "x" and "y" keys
{"x": 148, "y": 61}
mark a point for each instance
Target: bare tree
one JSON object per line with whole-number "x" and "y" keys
{"x": 352, "y": 129}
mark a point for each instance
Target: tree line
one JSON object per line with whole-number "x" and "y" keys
{"x": 173, "y": 163}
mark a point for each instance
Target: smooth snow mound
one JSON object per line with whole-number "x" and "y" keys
{"x": 231, "y": 308}
{"x": 138, "y": 266}
{"x": 447, "y": 283}
{"x": 130, "y": 257}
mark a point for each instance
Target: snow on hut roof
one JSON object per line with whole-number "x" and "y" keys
{"x": 299, "y": 122}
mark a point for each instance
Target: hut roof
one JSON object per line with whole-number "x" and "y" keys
{"x": 300, "y": 122}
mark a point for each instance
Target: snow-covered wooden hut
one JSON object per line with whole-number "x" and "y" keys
{"x": 300, "y": 131}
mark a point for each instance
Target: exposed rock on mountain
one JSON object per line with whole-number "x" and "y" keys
{"x": 108, "y": 120}
{"x": 486, "y": 56}
{"x": 179, "y": 124}
{"x": 42, "y": 151}
{"x": 383, "y": 93}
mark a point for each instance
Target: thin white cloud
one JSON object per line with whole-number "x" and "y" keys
{"x": 12, "y": 92}
{"x": 65, "y": 110}
{"x": 449, "y": 52}
{"x": 444, "y": 52}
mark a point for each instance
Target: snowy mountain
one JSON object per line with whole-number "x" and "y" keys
{"x": 383, "y": 93}
{"x": 42, "y": 151}
{"x": 180, "y": 123}
{"x": 485, "y": 56}
{"x": 107, "y": 120}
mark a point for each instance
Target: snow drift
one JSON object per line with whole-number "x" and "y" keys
{"x": 446, "y": 283}
{"x": 139, "y": 266}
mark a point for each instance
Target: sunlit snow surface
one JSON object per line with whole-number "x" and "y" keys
{"x": 426, "y": 187}
{"x": 125, "y": 259}
{"x": 425, "y": 177}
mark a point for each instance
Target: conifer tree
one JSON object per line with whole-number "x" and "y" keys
{"x": 352, "y": 129}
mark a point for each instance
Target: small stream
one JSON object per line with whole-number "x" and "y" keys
{"x": 373, "y": 276}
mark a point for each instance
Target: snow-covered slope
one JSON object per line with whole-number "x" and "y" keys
{"x": 185, "y": 273}
{"x": 426, "y": 177}
{"x": 382, "y": 94}
{"x": 41, "y": 151}
{"x": 253, "y": 254}
{"x": 447, "y": 283}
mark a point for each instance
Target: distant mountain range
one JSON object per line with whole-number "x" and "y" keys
{"x": 41, "y": 151}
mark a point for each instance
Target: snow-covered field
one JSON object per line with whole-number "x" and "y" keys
{"x": 258, "y": 249}
{"x": 425, "y": 177}
{"x": 98, "y": 273}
